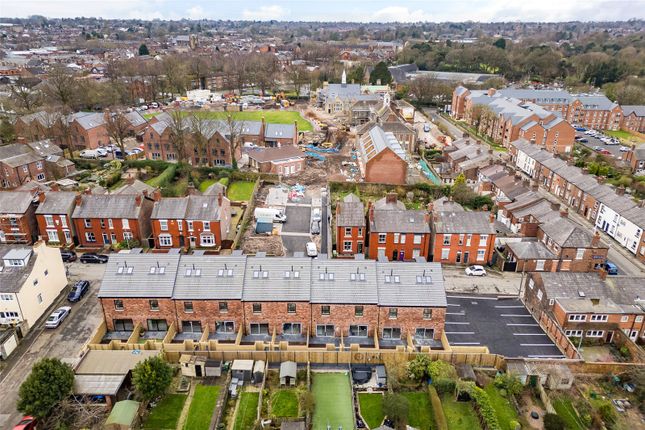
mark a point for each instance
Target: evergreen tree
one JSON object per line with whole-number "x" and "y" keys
{"x": 143, "y": 49}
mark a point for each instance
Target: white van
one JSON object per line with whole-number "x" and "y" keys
{"x": 275, "y": 214}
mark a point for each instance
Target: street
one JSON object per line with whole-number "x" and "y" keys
{"x": 62, "y": 342}
{"x": 454, "y": 131}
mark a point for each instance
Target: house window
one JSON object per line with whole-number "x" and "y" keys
{"x": 191, "y": 326}
{"x": 260, "y": 329}
{"x": 52, "y": 236}
{"x": 427, "y": 314}
{"x": 573, "y": 333}
{"x": 163, "y": 225}
{"x": 39, "y": 165}
{"x": 358, "y": 330}
{"x": 417, "y": 239}
{"x": 391, "y": 333}
{"x": 348, "y": 231}
{"x": 123, "y": 325}
{"x": 325, "y": 330}
{"x": 63, "y": 221}
{"x": 49, "y": 220}
{"x": 483, "y": 238}
{"x": 88, "y": 223}
{"x": 180, "y": 225}
{"x": 257, "y": 308}
{"x": 190, "y": 225}
{"x": 154, "y": 305}
{"x": 225, "y": 326}
{"x": 445, "y": 253}
{"x": 360, "y": 232}
{"x": 446, "y": 239}
{"x": 325, "y": 310}
{"x": 207, "y": 239}
{"x": 110, "y": 223}
{"x": 347, "y": 246}
{"x": 40, "y": 298}
{"x": 127, "y": 235}
{"x": 624, "y": 318}
{"x": 599, "y": 318}
{"x": 639, "y": 318}
{"x": 358, "y": 311}
{"x": 461, "y": 239}
{"x": 223, "y": 307}
{"x": 165, "y": 240}
{"x": 481, "y": 254}
{"x": 539, "y": 294}
{"x": 424, "y": 333}
{"x": 595, "y": 333}
{"x": 125, "y": 223}
{"x": 35, "y": 282}
{"x": 157, "y": 325}
{"x": 25, "y": 168}
{"x": 291, "y": 308}
{"x": 580, "y": 253}
{"x": 206, "y": 225}
{"x": 396, "y": 237}
{"x": 118, "y": 305}
{"x": 291, "y": 328}
{"x": 403, "y": 236}
{"x": 393, "y": 313}
{"x": 188, "y": 307}
{"x": 531, "y": 283}
{"x": 577, "y": 317}
{"x": 89, "y": 236}
{"x": 381, "y": 237}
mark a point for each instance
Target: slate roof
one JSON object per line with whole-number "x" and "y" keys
{"x": 567, "y": 234}
{"x": 210, "y": 277}
{"x": 265, "y": 155}
{"x": 15, "y": 202}
{"x": 393, "y": 217}
{"x": 203, "y": 208}
{"x": 375, "y": 141}
{"x": 419, "y": 284}
{"x": 446, "y": 204}
{"x": 595, "y": 102}
{"x": 12, "y": 278}
{"x": 638, "y": 110}
{"x": 169, "y": 208}
{"x": 107, "y": 206}
{"x": 45, "y": 148}
{"x": 279, "y": 131}
{"x": 463, "y": 222}
{"x": 57, "y": 202}
{"x": 136, "y": 279}
{"x": 351, "y": 212}
{"x": 343, "y": 91}
{"x": 531, "y": 250}
{"x": 90, "y": 120}
{"x": 265, "y": 279}
{"x": 137, "y": 187}
{"x": 17, "y": 154}
{"x": 344, "y": 281}
{"x": 135, "y": 118}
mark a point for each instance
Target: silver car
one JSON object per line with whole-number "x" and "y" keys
{"x": 57, "y": 317}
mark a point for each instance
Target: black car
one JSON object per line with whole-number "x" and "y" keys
{"x": 68, "y": 255}
{"x": 91, "y": 257}
{"x": 78, "y": 291}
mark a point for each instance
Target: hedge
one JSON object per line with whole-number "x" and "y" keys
{"x": 444, "y": 385}
{"x": 164, "y": 178}
{"x": 484, "y": 408}
{"x": 439, "y": 417}
{"x": 156, "y": 165}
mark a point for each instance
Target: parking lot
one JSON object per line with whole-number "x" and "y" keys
{"x": 593, "y": 142}
{"x": 503, "y": 325}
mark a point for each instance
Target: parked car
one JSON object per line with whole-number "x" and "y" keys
{"x": 583, "y": 140}
{"x": 57, "y": 317}
{"x": 597, "y": 148}
{"x": 136, "y": 150}
{"x": 624, "y": 149}
{"x": 475, "y": 271}
{"x": 581, "y": 129}
{"x": 91, "y": 257}
{"x": 315, "y": 227}
{"x": 117, "y": 153}
{"x": 312, "y": 251}
{"x": 426, "y": 128}
{"x": 89, "y": 154}
{"x": 604, "y": 152}
{"x": 102, "y": 152}
{"x": 611, "y": 268}
{"x": 78, "y": 291}
{"x": 67, "y": 255}
{"x": 26, "y": 423}
{"x": 315, "y": 214}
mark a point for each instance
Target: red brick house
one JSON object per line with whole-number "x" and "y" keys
{"x": 17, "y": 219}
{"x": 587, "y": 306}
{"x": 460, "y": 237}
{"x": 190, "y": 222}
{"x": 54, "y": 217}
{"x": 633, "y": 118}
{"x": 635, "y": 157}
{"x": 109, "y": 219}
{"x": 351, "y": 233}
{"x": 36, "y": 126}
{"x": 88, "y": 130}
{"x": 285, "y": 160}
{"x": 397, "y": 233}
{"x": 20, "y": 164}
{"x": 381, "y": 157}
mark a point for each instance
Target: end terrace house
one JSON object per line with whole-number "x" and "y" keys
{"x": 54, "y": 217}
{"x": 190, "y": 222}
{"x": 17, "y": 220}
{"x": 460, "y": 237}
{"x": 31, "y": 279}
{"x": 351, "y": 233}
{"x": 109, "y": 219}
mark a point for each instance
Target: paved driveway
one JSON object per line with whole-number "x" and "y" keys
{"x": 62, "y": 342}
{"x": 496, "y": 283}
{"x": 298, "y": 219}
{"x": 503, "y": 325}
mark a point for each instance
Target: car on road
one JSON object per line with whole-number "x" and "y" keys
{"x": 67, "y": 255}
{"x": 89, "y": 154}
{"x": 426, "y": 128}
{"x": 581, "y": 129}
{"x": 315, "y": 214}
{"x": 78, "y": 291}
{"x": 623, "y": 149}
{"x": 604, "y": 152}
{"x": 91, "y": 257}
{"x": 610, "y": 268}
{"x": 102, "y": 152}
{"x": 475, "y": 271}
{"x": 312, "y": 251}
{"x": 315, "y": 227}
{"x": 26, "y": 423}
{"x": 57, "y": 317}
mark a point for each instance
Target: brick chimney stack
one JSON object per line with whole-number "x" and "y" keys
{"x": 491, "y": 92}
{"x": 78, "y": 199}
{"x": 595, "y": 241}
{"x": 219, "y": 199}
{"x": 603, "y": 274}
{"x": 54, "y": 187}
{"x": 391, "y": 198}
{"x": 491, "y": 217}
{"x": 41, "y": 197}
{"x": 370, "y": 212}
{"x": 156, "y": 195}
{"x": 130, "y": 180}
{"x": 137, "y": 200}
{"x": 620, "y": 191}
{"x": 564, "y": 212}
{"x": 88, "y": 191}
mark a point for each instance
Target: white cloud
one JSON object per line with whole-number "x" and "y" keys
{"x": 196, "y": 12}
{"x": 266, "y": 13}
{"x": 399, "y": 14}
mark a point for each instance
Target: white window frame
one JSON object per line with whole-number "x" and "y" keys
{"x": 573, "y": 333}
{"x": 599, "y": 318}
{"x": 52, "y": 236}
{"x": 206, "y": 225}
{"x": 110, "y": 224}
{"x": 483, "y": 239}
{"x": 347, "y": 246}
{"x": 417, "y": 239}
{"x": 580, "y": 253}
{"x": 481, "y": 254}
{"x": 595, "y": 333}
{"x": 445, "y": 253}
{"x": 125, "y": 223}
{"x": 577, "y": 317}
{"x": 49, "y": 220}
{"x": 382, "y": 237}
{"x": 165, "y": 240}
{"x": 446, "y": 239}
{"x": 163, "y": 224}
{"x": 348, "y": 231}
{"x": 89, "y": 236}
{"x": 207, "y": 239}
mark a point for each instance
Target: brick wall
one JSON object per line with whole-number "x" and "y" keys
{"x": 457, "y": 249}
{"x": 138, "y": 310}
{"x": 61, "y": 223}
{"x": 386, "y": 168}
{"x": 208, "y": 313}
{"x": 390, "y": 247}
{"x": 354, "y": 237}
{"x": 100, "y": 226}
{"x": 410, "y": 318}
{"x": 275, "y": 314}
{"x": 342, "y": 316}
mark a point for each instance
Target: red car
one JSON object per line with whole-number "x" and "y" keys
{"x": 604, "y": 152}
{"x": 26, "y": 423}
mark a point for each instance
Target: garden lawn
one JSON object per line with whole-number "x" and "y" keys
{"x": 459, "y": 415}
{"x": 623, "y": 135}
{"x": 420, "y": 410}
{"x": 201, "y": 407}
{"x": 371, "y": 408}
{"x": 333, "y": 396}
{"x": 564, "y": 408}
{"x": 240, "y": 191}
{"x": 503, "y": 407}
{"x": 205, "y": 184}
{"x": 247, "y": 411}
{"x": 270, "y": 116}
{"x": 284, "y": 403}
{"x": 166, "y": 414}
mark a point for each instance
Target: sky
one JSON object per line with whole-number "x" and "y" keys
{"x": 335, "y": 10}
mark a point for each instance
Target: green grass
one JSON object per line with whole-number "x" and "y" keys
{"x": 623, "y": 135}
{"x": 240, "y": 191}
{"x": 419, "y": 410}
{"x": 166, "y": 414}
{"x": 459, "y": 415}
{"x": 503, "y": 407}
{"x": 201, "y": 407}
{"x": 371, "y": 408}
{"x": 333, "y": 396}
{"x": 163, "y": 178}
{"x": 564, "y": 408}
{"x": 247, "y": 411}
{"x": 270, "y": 116}
{"x": 284, "y": 403}
{"x": 205, "y": 184}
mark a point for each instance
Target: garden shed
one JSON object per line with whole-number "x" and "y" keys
{"x": 553, "y": 376}
{"x": 381, "y": 376}
{"x": 288, "y": 373}
{"x": 213, "y": 368}
{"x": 124, "y": 416}
{"x": 258, "y": 372}
{"x": 242, "y": 369}
{"x": 192, "y": 365}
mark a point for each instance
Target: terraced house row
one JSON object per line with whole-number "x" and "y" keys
{"x": 608, "y": 208}
{"x": 297, "y": 299}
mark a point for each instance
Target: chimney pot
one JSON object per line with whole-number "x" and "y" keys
{"x": 620, "y": 191}
{"x": 564, "y": 213}
{"x": 390, "y": 198}
{"x": 130, "y": 180}
{"x": 219, "y": 199}
{"x": 603, "y": 274}
{"x": 137, "y": 200}
{"x": 600, "y": 179}
{"x": 595, "y": 241}
{"x": 41, "y": 197}
{"x": 78, "y": 199}
{"x": 491, "y": 217}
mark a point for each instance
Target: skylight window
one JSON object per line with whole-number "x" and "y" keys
{"x": 189, "y": 272}
{"x": 287, "y": 274}
{"x": 321, "y": 276}
{"x": 352, "y": 276}
{"x": 229, "y": 273}
{"x": 265, "y": 275}
{"x": 361, "y": 276}
{"x": 296, "y": 275}
{"x": 397, "y": 279}
{"x": 162, "y": 270}
{"x": 220, "y": 272}
{"x": 388, "y": 279}
{"x": 256, "y": 274}
{"x": 119, "y": 270}
{"x": 198, "y": 272}
{"x": 130, "y": 270}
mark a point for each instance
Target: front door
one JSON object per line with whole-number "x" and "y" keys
{"x": 68, "y": 236}
{"x": 633, "y": 335}
{"x": 458, "y": 259}
{"x": 106, "y": 239}
{"x": 395, "y": 254}
{"x": 466, "y": 255}
{"x": 610, "y": 336}
{"x": 192, "y": 241}
{"x": 182, "y": 241}
{"x": 359, "y": 247}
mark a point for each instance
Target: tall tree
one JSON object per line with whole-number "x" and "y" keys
{"x": 49, "y": 382}
{"x": 179, "y": 135}
{"x": 62, "y": 87}
{"x": 233, "y": 132}
{"x": 25, "y": 97}
{"x": 298, "y": 76}
{"x": 380, "y": 73}
{"x": 118, "y": 128}
{"x": 152, "y": 377}
{"x": 143, "y": 49}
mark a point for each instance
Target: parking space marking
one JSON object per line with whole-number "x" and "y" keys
{"x": 510, "y": 307}
{"x": 522, "y": 325}
{"x": 536, "y": 344}
{"x": 516, "y": 315}
{"x": 456, "y": 313}
{"x": 457, "y": 323}
{"x": 454, "y": 304}
{"x": 529, "y": 334}
{"x": 464, "y": 343}
{"x": 472, "y": 298}
{"x": 459, "y": 332}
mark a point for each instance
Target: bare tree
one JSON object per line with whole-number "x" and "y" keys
{"x": 118, "y": 128}
{"x": 175, "y": 70}
{"x": 233, "y": 134}
{"x": 25, "y": 97}
{"x": 199, "y": 68}
{"x": 201, "y": 129}
{"x": 236, "y": 70}
{"x": 179, "y": 135}
{"x": 59, "y": 129}
{"x": 298, "y": 76}
{"x": 61, "y": 86}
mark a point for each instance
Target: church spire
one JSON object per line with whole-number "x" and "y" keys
{"x": 343, "y": 79}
